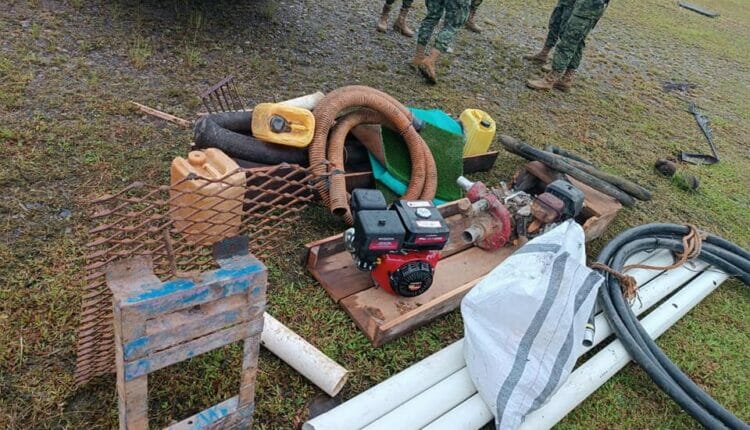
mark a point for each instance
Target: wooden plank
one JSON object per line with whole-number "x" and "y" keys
{"x": 185, "y": 293}
{"x": 191, "y": 349}
{"x": 249, "y": 370}
{"x": 373, "y": 309}
{"x": 206, "y": 418}
{"x": 163, "y": 115}
{"x": 192, "y": 323}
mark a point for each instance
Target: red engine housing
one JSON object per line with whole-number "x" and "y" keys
{"x": 409, "y": 274}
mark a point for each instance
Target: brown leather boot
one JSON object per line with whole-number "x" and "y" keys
{"x": 540, "y": 57}
{"x": 566, "y": 81}
{"x": 546, "y": 83}
{"x": 427, "y": 66}
{"x": 383, "y": 20}
{"x": 401, "y": 26}
{"x": 418, "y": 57}
{"x": 471, "y": 25}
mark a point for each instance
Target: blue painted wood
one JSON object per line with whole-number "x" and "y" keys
{"x": 183, "y": 293}
{"x": 161, "y": 359}
{"x": 205, "y": 418}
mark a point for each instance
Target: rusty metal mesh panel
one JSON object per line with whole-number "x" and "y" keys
{"x": 177, "y": 225}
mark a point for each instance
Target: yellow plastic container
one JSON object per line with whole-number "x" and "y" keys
{"x": 208, "y": 207}
{"x": 285, "y": 125}
{"x": 479, "y": 129}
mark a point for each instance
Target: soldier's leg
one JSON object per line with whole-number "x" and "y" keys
{"x": 575, "y": 61}
{"x": 471, "y": 23}
{"x": 456, "y": 12}
{"x": 557, "y": 20}
{"x": 435, "y": 9}
{"x": 583, "y": 18}
{"x": 382, "y": 24}
{"x": 401, "y": 25}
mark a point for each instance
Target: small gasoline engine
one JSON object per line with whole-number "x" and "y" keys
{"x": 399, "y": 245}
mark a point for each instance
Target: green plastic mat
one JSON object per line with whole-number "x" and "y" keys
{"x": 445, "y": 138}
{"x": 391, "y": 187}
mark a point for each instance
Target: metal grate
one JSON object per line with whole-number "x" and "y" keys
{"x": 176, "y": 226}
{"x": 223, "y": 97}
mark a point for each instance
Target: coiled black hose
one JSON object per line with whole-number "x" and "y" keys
{"x": 231, "y": 132}
{"x": 716, "y": 251}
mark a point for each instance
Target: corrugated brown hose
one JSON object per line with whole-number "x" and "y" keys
{"x": 381, "y": 108}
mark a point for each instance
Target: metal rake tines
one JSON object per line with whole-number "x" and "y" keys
{"x": 223, "y": 97}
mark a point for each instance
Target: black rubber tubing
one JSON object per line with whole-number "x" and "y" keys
{"x": 229, "y": 131}
{"x": 716, "y": 251}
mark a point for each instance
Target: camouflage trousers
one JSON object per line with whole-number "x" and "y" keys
{"x": 557, "y": 20}
{"x": 405, "y": 4}
{"x": 583, "y": 19}
{"x": 454, "y": 14}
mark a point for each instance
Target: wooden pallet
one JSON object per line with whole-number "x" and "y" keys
{"x": 158, "y": 324}
{"x": 384, "y": 317}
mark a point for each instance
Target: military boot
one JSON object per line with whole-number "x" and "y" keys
{"x": 471, "y": 24}
{"x": 566, "y": 81}
{"x": 540, "y": 57}
{"x": 383, "y": 21}
{"x": 427, "y": 66}
{"x": 418, "y": 57}
{"x": 401, "y": 26}
{"x": 546, "y": 83}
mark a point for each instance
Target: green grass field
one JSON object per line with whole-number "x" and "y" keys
{"x": 68, "y": 134}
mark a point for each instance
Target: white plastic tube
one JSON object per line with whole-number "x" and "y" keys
{"x": 573, "y": 391}
{"x": 607, "y": 362}
{"x": 303, "y": 357}
{"x": 428, "y": 405}
{"x": 391, "y": 393}
{"x": 308, "y": 101}
{"x": 648, "y": 295}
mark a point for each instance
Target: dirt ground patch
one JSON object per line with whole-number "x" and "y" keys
{"x": 68, "y": 133}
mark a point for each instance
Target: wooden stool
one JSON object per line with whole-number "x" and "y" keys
{"x": 161, "y": 323}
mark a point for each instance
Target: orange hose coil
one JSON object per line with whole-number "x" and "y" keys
{"x": 384, "y": 109}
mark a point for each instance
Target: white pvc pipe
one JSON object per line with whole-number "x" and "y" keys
{"x": 303, "y": 357}
{"x": 649, "y": 294}
{"x": 473, "y": 413}
{"x": 428, "y": 405}
{"x": 607, "y": 362}
{"x": 451, "y": 393}
{"x": 391, "y": 393}
{"x": 306, "y": 102}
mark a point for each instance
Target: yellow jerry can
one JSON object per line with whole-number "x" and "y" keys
{"x": 479, "y": 129}
{"x": 285, "y": 125}
{"x": 206, "y": 196}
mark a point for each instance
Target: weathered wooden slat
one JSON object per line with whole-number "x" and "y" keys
{"x": 207, "y": 417}
{"x": 162, "y": 359}
{"x": 192, "y": 323}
